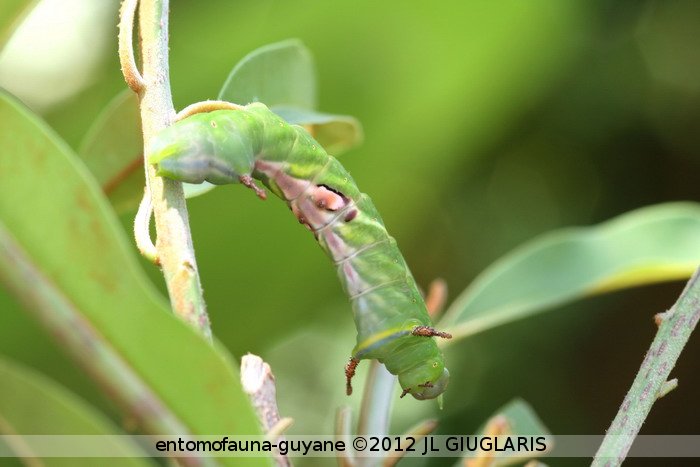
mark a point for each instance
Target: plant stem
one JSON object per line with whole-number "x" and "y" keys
{"x": 343, "y": 432}
{"x": 259, "y": 383}
{"x": 375, "y": 412}
{"x": 174, "y": 241}
{"x": 675, "y": 328}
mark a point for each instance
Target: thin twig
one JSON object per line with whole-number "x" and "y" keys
{"x": 416, "y": 433}
{"x": 375, "y": 411}
{"x": 377, "y": 399}
{"x": 259, "y": 383}
{"x": 343, "y": 432}
{"x": 651, "y": 380}
{"x": 174, "y": 242}
{"x": 126, "y": 50}
{"x": 18, "y": 446}
{"x": 667, "y": 387}
{"x": 496, "y": 426}
{"x": 279, "y": 428}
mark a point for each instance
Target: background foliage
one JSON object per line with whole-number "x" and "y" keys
{"x": 486, "y": 124}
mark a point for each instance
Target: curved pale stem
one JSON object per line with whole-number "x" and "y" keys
{"x": 126, "y": 50}
{"x": 142, "y": 229}
{"x": 205, "y": 106}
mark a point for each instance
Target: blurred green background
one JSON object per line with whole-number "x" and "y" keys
{"x": 486, "y": 123}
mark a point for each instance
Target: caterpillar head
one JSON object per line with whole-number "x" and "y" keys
{"x": 425, "y": 381}
{"x": 203, "y": 147}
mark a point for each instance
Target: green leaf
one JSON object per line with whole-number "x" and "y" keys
{"x": 516, "y": 418}
{"x": 282, "y": 73}
{"x": 336, "y": 133}
{"x": 113, "y": 151}
{"x": 61, "y": 248}
{"x": 283, "y": 76}
{"x": 11, "y": 14}
{"x": 31, "y": 404}
{"x": 652, "y": 244}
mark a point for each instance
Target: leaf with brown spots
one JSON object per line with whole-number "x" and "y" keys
{"x": 55, "y": 411}
{"x": 65, "y": 257}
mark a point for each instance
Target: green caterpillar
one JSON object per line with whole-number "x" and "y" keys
{"x": 237, "y": 146}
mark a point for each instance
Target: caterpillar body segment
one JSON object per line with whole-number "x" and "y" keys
{"x": 231, "y": 146}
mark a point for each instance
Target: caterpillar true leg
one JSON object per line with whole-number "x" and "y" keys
{"x": 349, "y": 373}
{"x": 248, "y": 181}
{"x": 427, "y": 331}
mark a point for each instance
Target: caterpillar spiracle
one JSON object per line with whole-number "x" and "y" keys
{"x": 252, "y": 142}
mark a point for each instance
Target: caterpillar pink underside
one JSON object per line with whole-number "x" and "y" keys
{"x": 253, "y": 143}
